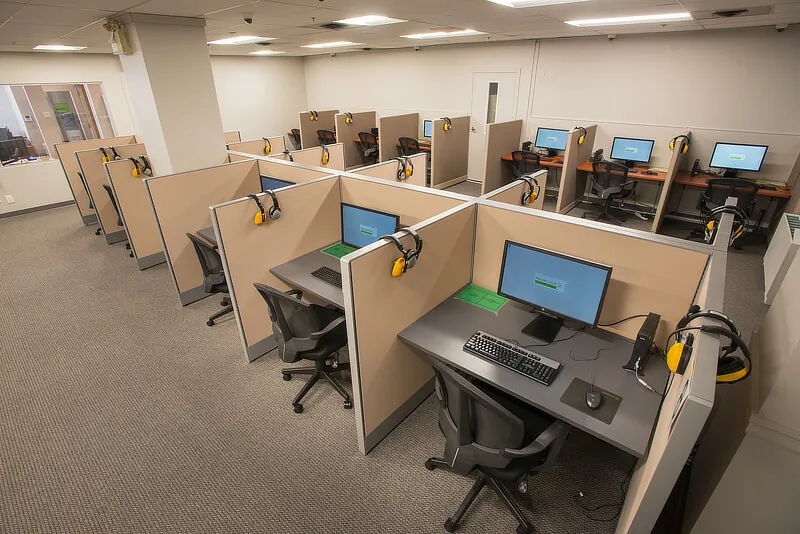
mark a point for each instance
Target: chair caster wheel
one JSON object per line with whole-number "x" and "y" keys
{"x": 348, "y": 405}
{"x": 298, "y": 408}
{"x": 287, "y": 377}
{"x": 522, "y": 529}
{"x": 210, "y": 322}
{"x": 225, "y": 303}
{"x": 450, "y": 526}
{"x": 131, "y": 254}
{"x": 127, "y": 246}
{"x": 98, "y": 232}
{"x": 430, "y": 466}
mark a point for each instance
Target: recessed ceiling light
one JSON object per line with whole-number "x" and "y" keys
{"x": 637, "y": 19}
{"x": 443, "y": 35}
{"x": 266, "y": 53}
{"x": 240, "y": 40}
{"x": 369, "y": 20}
{"x": 335, "y": 44}
{"x": 534, "y": 3}
{"x": 59, "y": 48}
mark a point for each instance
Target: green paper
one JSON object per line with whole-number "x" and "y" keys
{"x": 338, "y": 250}
{"x": 482, "y": 298}
{"x": 61, "y": 108}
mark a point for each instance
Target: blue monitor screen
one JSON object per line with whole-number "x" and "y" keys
{"x": 568, "y": 287}
{"x": 272, "y": 184}
{"x": 427, "y": 128}
{"x": 362, "y": 226}
{"x": 632, "y": 149}
{"x": 738, "y": 157}
{"x": 551, "y": 139}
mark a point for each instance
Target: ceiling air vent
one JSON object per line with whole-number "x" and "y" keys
{"x": 731, "y": 13}
{"x": 332, "y": 26}
{"x": 727, "y": 13}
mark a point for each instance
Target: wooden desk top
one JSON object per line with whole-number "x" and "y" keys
{"x": 657, "y": 177}
{"x": 701, "y": 181}
{"x": 557, "y": 162}
{"x": 425, "y": 146}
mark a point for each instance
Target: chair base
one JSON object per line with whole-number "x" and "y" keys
{"x": 609, "y": 214}
{"x": 320, "y": 370}
{"x": 224, "y": 311}
{"x": 451, "y": 524}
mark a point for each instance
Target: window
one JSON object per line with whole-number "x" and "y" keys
{"x": 491, "y": 111}
{"x": 33, "y": 118}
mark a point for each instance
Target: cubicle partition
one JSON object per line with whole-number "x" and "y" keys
{"x": 392, "y": 128}
{"x": 308, "y": 128}
{"x": 573, "y": 183}
{"x": 674, "y": 165}
{"x": 348, "y": 133}
{"x": 449, "y": 152}
{"x": 501, "y": 138}
{"x": 65, "y": 151}
{"x": 312, "y": 157}
{"x": 258, "y": 147}
{"x": 233, "y": 137}
{"x": 514, "y": 192}
{"x": 90, "y": 164}
{"x": 392, "y": 170}
{"x": 136, "y": 211}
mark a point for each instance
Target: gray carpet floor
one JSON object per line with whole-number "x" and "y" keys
{"x": 120, "y": 411}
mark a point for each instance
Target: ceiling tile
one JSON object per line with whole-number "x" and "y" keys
{"x": 106, "y": 5}
{"x": 185, "y": 8}
{"x": 59, "y": 16}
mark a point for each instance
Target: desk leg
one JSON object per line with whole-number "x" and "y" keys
{"x": 763, "y": 214}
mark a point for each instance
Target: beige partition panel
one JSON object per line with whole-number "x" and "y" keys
{"x": 513, "y": 192}
{"x": 674, "y": 165}
{"x": 308, "y": 128}
{"x": 233, "y": 137}
{"x": 572, "y": 187}
{"x": 136, "y": 212}
{"x": 389, "y": 170}
{"x": 180, "y": 203}
{"x": 65, "y": 151}
{"x": 90, "y": 163}
{"x": 313, "y": 157}
{"x": 390, "y": 129}
{"x": 286, "y": 171}
{"x": 390, "y": 378}
{"x": 501, "y": 138}
{"x": 348, "y": 133}
{"x": 449, "y": 152}
{"x": 259, "y": 147}
{"x": 310, "y": 219}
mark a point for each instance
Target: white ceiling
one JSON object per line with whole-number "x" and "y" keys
{"x": 24, "y": 24}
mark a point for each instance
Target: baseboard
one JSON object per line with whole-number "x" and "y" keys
{"x": 450, "y": 183}
{"x": 193, "y": 295}
{"x": 89, "y": 219}
{"x": 116, "y": 237}
{"x": 151, "y": 261}
{"x": 261, "y": 348}
{"x": 391, "y": 422}
{"x": 34, "y": 209}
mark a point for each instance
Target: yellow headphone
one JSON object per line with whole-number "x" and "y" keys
{"x": 448, "y": 124}
{"x": 274, "y": 212}
{"x": 406, "y": 168}
{"x": 710, "y": 223}
{"x": 686, "y": 144}
{"x": 348, "y": 118}
{"x": 314, "y": 116}
{"x": 106, "y": 159}
{"x": 409, "y": 257}
{"x": 582, "y": 136}
{"x": 326, "y": 155}
{"x": 115, "y": 156}
{"x": 141, "y": 166}
{"x": 533, "y": 190}
{"x": 267, "y": 145}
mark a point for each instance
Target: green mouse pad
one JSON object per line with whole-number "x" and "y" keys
{"x": 338, "y": 250}
{"x": 482, "y": 298}
{"x": 575, "y": 396}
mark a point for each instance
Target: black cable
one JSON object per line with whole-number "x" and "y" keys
{"x": 623, "y": 489}
{"x": 625, "y": 319}
{"x": 574, "y": 333}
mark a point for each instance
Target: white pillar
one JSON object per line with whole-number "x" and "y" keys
{"x": 172, "y": 88}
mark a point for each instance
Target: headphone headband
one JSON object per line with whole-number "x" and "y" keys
{"x": 685, "y": 147}
{"x": 267, "y": 145}
{"x": 406, "y": 168}
{"x": 534, "y": 189}
{"x": 326, "y": 154}
{"x": 409, "y": 256}
{"x": 448, "y": 124}
{"x": 348, "y": 117}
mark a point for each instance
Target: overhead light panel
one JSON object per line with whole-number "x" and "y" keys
{"x": 335, "y": 44}
{"x": 369, "y": 20}
{"x": 266, "y": 53}
{"x": 443, "y": 35}
{"x": 637, "y": 19}
{"x": 534, "y": 3}
{"x": 241, "y": 40}
{"x": 59, "y": 48}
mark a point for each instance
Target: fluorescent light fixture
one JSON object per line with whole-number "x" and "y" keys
{"x": 443, "y": 35}
{"x": 58, "y": 48}
{"x": 240, "y": 40}
{"x": 637, "y": 19}
{"x": 334, "y": 44}
{"x": 266, "y": 53}
{"x": 534, "y": 3}
{"x": 369, "y": 20}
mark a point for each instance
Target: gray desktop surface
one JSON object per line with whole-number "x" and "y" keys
{"x": 297, "y": 274}
{"x": 208, "y": 234}
{"x": 442, "y": 332}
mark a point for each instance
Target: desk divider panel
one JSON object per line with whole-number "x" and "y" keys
{"x": 389, "y": 169}
{"x": 233, "y": 137}
{"x": 390, "y": 129}
{"x": 390, "y": 379}
{"x": 274, "y": 168}
{"x": 449, "y": 152}
{"x": 512, "y": 193}
{"x": 571, "y": 190}
{"x": 180, "y": 204}
{"x": 674, "y": 165}
{"x": 313, "y": 157}
{"x": 136, "y": 212}
{"x": 308, "y": 128}
{"x": 348, "y": 133}
{"x": 310, "y": 219}
{"x": 501, "y": 138}
{"x": 257, "y": 147}
{"x": 65, "y": 151}
{"x": 90, "y": 163}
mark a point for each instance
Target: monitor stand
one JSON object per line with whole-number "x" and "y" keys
{"x": 544, "y": 327}
{"x": 551, "y": 153}
{"x": 630, "y": 164}
{"x": 731, "y": 173}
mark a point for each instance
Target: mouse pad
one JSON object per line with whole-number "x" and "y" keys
{"x": 575, "y": 396}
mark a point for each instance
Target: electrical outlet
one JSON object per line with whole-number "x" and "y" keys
{"x": 9, "y": 199}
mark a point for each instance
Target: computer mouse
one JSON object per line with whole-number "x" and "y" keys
{"x": 593, "y": 399}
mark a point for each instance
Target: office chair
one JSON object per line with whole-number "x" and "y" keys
{"x": 717, "y": 192}
{"x": 326, "y": 137}
{"x": 116, "y": 209}
{"x": 408, "y": 146}
{"x": 610, "y": 182}
{"x": 491, "y": 433}
{"x": 296, "y": 138}
{"x": 374, "y": 131}
{"x": 213, "y": 274}
{"x": 523, "y": 163}
{"x": 368, "y": 148}
{"x": 307, "y": 332}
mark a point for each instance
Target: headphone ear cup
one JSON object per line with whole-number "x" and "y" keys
{"x": 274, "y": 213}
{"x": 135, "y": 172}
{"x": 685, "y": 148}
{"x": 259, "y": 218}
{"x": 399, "y": 267}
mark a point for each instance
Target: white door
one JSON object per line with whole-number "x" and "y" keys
{"x": 494, "y": 99}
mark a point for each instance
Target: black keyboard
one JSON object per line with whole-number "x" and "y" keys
{"x": 326, "y": 274}
{"x": 514, "y": 357}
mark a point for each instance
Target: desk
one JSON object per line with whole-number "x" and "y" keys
{"x": 208, "y": 235}
{"x": 424, "y": 146}
{"x": 657, "y": 177}
{"x": 442, "y": 332}
{"x": 684, "y": 178}
{"x": 556, "y": 163}
{"x": 297, "y": 274}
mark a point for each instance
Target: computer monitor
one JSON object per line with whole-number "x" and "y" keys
{"x": 271, "y": 184}
{"x": 363, "y": 226}
{"x": 560, "y": 286}
{"x": 427, "y": 129}
{"x": 734, "y": 157}
{"x": 551, "y": 139}
{"x": 632, "y": 151}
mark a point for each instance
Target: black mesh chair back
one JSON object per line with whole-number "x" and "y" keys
{"x": 296, "y": 138}
{"x": 719, "y": 189}
{"x": 368, "y": 147}
{"x": 211, "y": 264}
{"x": 408, "y": 146}
{"x": 524, "y": 162}
{"x": 326, "y": 137}
{"x": 609, "y": 174}
{"x": 113, "y": 203}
